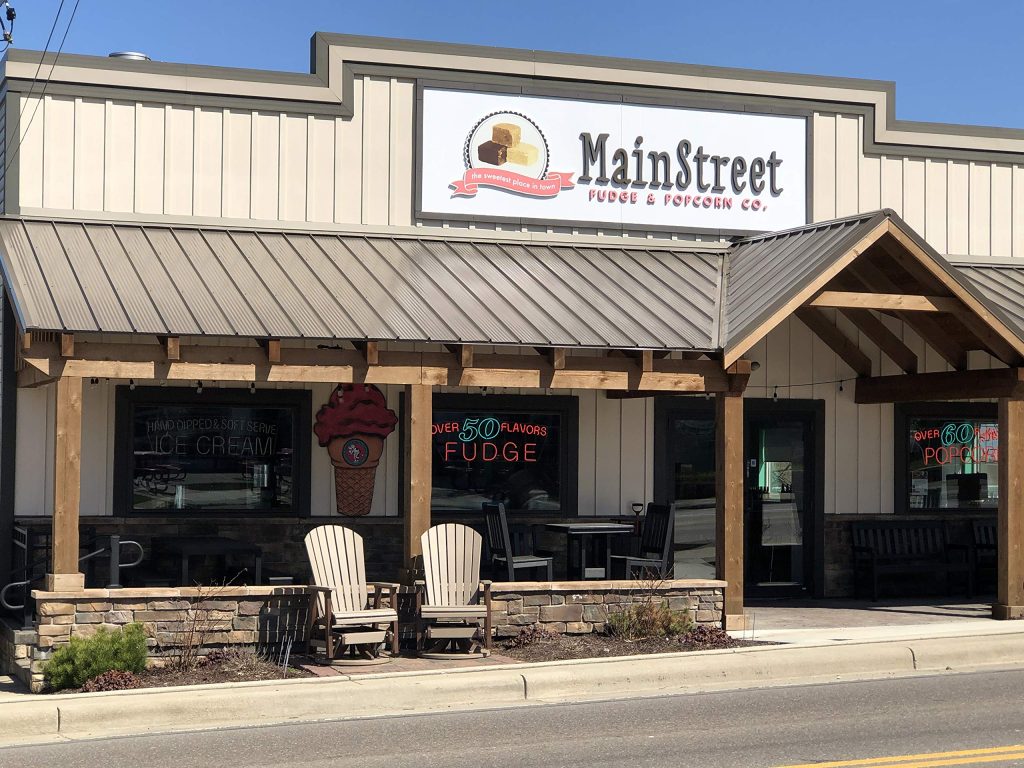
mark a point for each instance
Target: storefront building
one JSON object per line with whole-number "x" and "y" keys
{"x": 572, "y": 284}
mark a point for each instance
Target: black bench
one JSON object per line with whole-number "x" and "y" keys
{"x": 896, "y": 547}
{"x": 985, "y": 551}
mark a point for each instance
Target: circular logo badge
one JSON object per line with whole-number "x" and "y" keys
{"x": 510, "y": 140}
{"x": 355, "y": 452}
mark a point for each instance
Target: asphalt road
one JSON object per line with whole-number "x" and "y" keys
{"x": 921, "y": 719}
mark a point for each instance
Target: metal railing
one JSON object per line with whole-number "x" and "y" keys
{"x": 23, "y": 540}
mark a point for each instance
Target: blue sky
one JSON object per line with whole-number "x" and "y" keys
{"x": 953, "y": 61}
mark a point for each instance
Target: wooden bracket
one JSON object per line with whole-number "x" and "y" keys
{"x": 67, "y": 345}
{"x": 26, "y": 341}
{"x": 464, "y": 353}
{"x": 172, "y": 347}
{"x": 272, "y": 348}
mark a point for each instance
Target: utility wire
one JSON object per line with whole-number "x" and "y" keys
{"x": 42, "y": 93}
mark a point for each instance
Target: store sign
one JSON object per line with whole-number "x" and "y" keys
{"x": 967, "y": 443}
{"x": 489, "y": 438}
{"x": 545, "y": 159}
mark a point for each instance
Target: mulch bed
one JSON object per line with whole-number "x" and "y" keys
{"x": 225, "y": 668}
{"x": 594, "y": 646}
{"x": 217, "y": 673}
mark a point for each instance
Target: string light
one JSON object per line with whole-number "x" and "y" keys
{"x": 775, "y": 394}
{"x": 199, "y": 387}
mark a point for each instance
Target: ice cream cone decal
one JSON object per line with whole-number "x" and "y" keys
{"x": 352, "y": 426}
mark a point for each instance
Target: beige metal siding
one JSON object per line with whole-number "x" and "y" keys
{"x": 962, "y": 208}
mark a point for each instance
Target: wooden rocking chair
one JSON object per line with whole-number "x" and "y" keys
{"x": 339, "y": 601}
{"x": 448, "y": 609}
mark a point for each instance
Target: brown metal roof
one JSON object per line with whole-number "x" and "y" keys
{"x": 157, "y": 279}
{"x": 765, "y": 272}
{"x": 178, "y": 280}
{"x": 1003, "y": 284}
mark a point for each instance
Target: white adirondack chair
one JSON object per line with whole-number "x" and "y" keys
{"x": 448, "y": 608}
{"x": 340, "y": 604}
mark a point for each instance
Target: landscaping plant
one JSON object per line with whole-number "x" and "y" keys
{"x": 82, "y": 659}
{"x": 114, "y": 680}
{"x": 648, "y": 617}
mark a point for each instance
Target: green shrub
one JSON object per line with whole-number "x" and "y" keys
{"x": 647, "y": 619}
{"x": 84, "y": 658}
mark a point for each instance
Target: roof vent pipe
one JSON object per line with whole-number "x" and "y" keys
{"x": 130, "y": 55}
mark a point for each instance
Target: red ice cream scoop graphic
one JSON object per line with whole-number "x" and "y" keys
{"x": 352, "y": 426}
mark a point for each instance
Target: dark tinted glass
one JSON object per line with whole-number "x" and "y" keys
{"x": 213, "y": 457}
{"x": 511, "y": 457}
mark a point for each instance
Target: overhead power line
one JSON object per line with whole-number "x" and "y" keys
{"x": 42, "y": 92}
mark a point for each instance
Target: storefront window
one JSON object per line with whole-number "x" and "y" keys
{"x": 510, "y": 449}
{"x": 215, "y": 452}
{"x": 951, "y": 460}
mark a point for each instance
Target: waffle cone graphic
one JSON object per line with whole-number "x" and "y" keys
{"x": 353, "y": 483}
{"x": 352, "y": 426}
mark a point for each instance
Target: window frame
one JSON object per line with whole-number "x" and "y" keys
{"x": 297, "y": 400}
{"x": 567, "y": 406}
{"x": 902, "y": 413}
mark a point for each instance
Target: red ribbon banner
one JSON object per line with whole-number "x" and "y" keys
{"x": 510, "y": 181}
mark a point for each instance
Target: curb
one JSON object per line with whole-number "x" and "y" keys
{"x": 47, "y": 718}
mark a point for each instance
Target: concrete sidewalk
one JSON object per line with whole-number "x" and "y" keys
{"x": 35, "y": 719}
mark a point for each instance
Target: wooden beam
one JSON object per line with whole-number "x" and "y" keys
{"x": 555, "y": 356}
{"x": 1010, "y": 527}
{"x": 646, "y": 360}
{"x": 890, "y": 344}
{"x": 926, "y": 327}
{"x": 916, "y": 258}
{"x": 990, "y": 340}
{"x": 67, "y": 486}
{"x": 462, "y": 352}
{"x": 836, "y": 340}
{"x": 418, "y": 477}
{"x": 26, "y": 341}
{"x": 370, "y": 351}
{"x": 950, "y": 385}
{"x": 901, "y": 302}
{"x": 755, "y": 334}
{"x": 729, "y": 505}
{"x": 67, "y": 345}
{"x": 147, "y": 362}
{"x": 172, "y": 347}
{"x": 272, "y": 349}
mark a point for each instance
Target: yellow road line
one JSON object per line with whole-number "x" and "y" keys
{"x": 960, "y": 757}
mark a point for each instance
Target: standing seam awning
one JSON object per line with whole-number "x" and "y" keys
{"x": 77, "y": 276}
{"x": 181, "y": 280}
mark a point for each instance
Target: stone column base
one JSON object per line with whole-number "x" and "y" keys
{"x": 1004, "y": 612}
{"x": 65, "y": 582}
{"x": 734, "y": 622}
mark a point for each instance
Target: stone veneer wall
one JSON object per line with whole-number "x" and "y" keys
{"x": 246, "y": 616}
{"x": 583, "y": 607}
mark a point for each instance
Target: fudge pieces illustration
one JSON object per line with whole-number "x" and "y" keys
{"x": 492, "y": 152}
{"x": 506, "y": 146}
{"x": 508, "y": 134}
{"x": 522, "y": 154}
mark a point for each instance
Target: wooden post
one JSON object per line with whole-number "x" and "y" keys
{"x": 418, "y": 449}
{"x": 64, "y": 574}
{"x": 729, "y": 504}
{"x": 1010, "y": 533}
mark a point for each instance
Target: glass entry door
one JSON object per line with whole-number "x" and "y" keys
{"x": 779, "y": 497}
